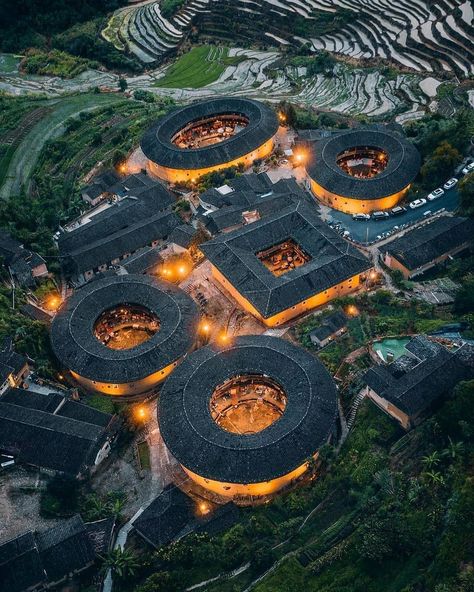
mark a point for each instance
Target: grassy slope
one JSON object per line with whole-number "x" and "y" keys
{"x": 22, "y": 163}
{"x": 197, "y": 68}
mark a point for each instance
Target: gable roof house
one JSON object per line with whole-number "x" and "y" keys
{"x": 172, "y": 516}
{"x": 410, "y": 386}
{"x": 426, "y": 246}
{"x": 39, "y": 560}
{"x": 14, "y": 367}
{"x": 134, "y": 222}
{"x": 24, "y": 265}
{"x": 98, "y": 189}
{"x": 331, "y": 327}
{"x": 54, "y": 433}
{"x": 245, "y": 199}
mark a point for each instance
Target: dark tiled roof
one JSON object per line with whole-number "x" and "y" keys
{"x": 167, "y": 515}
{"x": 36, "y": 313}
{"x": 76, "y": 347}
{"x": 415, "y": 389}
{"x": 183, "y": 235}
{"x": 170, "y": 517}
{"x": 100, "y": 534}
{"x": 10, "y": 360}
{"x": 124, "y": 227}
{"x": 333, "y": 259}
{"x": 330, "y": 325}
{"x": 425, "y": 244}
{"x": 33, "y": 559}
{"x": 101, "y": 183}
{"x": 20, "y": 564}
{"x": 143, "y": 260}
{"x": 402, "y": 167}
{"x": 9, "y": 246}
{"x": 199, "y": 444}
{"x": 32, "y": 399}
{"x": 157, "y": 145}
{"x": 65, "y": 548}
{"x": 33, "y": 429}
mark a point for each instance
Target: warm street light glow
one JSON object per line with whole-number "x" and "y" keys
{"x": 373, "y": 275}
{"x": 300, "y": 157}
{"x": 281, "y": 117}
{"x": 141, "y": 413}
{"x": 352, "y": 310}
{"x": 53, "y": 302}
{"x": 205, "y": 327}
{"x": 204, "y": 508}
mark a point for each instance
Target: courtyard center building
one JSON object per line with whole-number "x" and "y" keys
{"x": 363, "y": 170}
{"x": 245, "y": 420}
{"x": 209, "y": 136}
{"x": 286, "y": 264}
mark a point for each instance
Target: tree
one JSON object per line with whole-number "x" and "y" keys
{"x": 466, "y": 192}
{"x": 440, "y": 164}
{"x": 464, "y": 301}
{"x": 122, "y": 562}
{"x": 431, "y": 460}
{"x": 123, "y": 84}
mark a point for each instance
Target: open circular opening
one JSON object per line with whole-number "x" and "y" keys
{"x": 126, "y": 326}
{"x": 247, "y": 404}
{"x": 363, "y": 162}
{"x": 209, "y": 130}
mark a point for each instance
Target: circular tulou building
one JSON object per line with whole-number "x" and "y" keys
{"x": 244, "y": 420}
{"x": 363, "y": 170}
{"x": 209, "y": 136}
{"x": 123, "y": 335}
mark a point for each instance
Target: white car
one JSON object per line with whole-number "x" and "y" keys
{"x": 468, "y": 168}
{"x": 450, "y": 183}
{"x": 435, "y": 194}
{"x": 416, "y": 204}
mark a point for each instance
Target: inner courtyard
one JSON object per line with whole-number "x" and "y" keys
{"x": 362, "y": 162}
{"x": 209, "y": 131}
{"x": 247, "y": 404}
{"x": 126, "y": 326}
{"x": 283, "y": 257}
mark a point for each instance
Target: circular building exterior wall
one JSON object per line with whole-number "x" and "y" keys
{"x": 209, "y": 136}
{"x": 122, "y": 335}
{"x": 362, "y": 171}
{"x": 252, "y": 458}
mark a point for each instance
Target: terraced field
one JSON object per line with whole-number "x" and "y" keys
{"x": 420, "y": 35}
{"x": 197, "y": 68}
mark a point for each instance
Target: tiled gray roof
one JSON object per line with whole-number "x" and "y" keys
{"x": 157, "y": 145}
{"x": 333, "y": 259}
{"x": 402, "y": 167}
{"x": 200, "y": 445}
{"x": 425, "y": 244}
{"x": 416, "y": 388}
{"x": 76, "y": 347}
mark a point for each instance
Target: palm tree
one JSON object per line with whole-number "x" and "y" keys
{"x": 454, "y": 449}
{"x": 431, "y": 460}
{"x": 122, "y": 562}
{"x": 435, "y": 477}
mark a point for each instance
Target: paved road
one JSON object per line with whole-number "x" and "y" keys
{"x": 368, "y": 231}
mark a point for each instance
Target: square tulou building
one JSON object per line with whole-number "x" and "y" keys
{"x": 286, "y": 264}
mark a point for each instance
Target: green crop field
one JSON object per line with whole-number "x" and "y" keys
{"x": 9, "y": 63}
{"x": 199, "y": 67}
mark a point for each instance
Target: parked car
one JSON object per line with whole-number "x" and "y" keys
{"x": 435, "y": 194}
{"x": 468, "y": 168}
{"x": 427, "y": 214}
{"x": 380, "y": 215}
{"x": 361, "y": 216}
{"x": 398, "y": 210}
{"x": 417, "y": 203}
{"x": 450, "y": 183}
